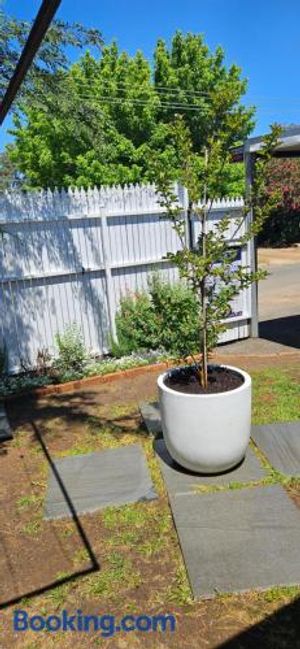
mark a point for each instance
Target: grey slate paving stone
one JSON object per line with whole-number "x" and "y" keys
{"x": 180, "y": 481}
{"x": 112, "y": 477}
{"x": 151, "y": 416}
{"x": 235, "y": 541}
{"x": 281, "y": 445}
{"x": 5, "y": 429}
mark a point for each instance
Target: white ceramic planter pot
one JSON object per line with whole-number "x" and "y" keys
{"x": 206, "y": 433}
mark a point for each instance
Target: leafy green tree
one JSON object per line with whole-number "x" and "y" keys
{"x": 8, "y": 172}
{"x": 51, "y": 56}
{"x": 89, "y": 131}
{"x": 203, "y": 90}
{"x": 209, "y": 267}
{"x": 106, "y": 118}
{"x": 195, "y": 83}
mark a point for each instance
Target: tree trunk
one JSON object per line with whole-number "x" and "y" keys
{"x": 204, "y": 310}
{"x": 203, "y": 286}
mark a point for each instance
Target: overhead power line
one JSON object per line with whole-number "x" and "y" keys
{"x": 139, "y": 102}
{"x": 165, "y": 104}
{"x": 161, "y": 92}
{"x": 166, "y": 90}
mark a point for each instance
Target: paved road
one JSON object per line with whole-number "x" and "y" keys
{"x": 279, "y": 305}
{"x": 279, "y": 294}
{"x": 279, "y": 309}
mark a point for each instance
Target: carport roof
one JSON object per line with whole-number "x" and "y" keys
{"x": 289, "y": 145}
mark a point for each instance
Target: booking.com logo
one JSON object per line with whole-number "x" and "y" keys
{"x": 106, "y": 625}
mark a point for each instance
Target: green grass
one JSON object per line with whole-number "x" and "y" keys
{"x": 29, "y": 501}
{"x": 140, "y": 535}
{"x": 122, "y": 410}
{"x": 20, "y": 438}
{"x": 78, "y": 449}
{"x": 129, "y": 515}
{"x": 100, "y": 438}
{"x": 80, "y": 556}
{"x": 179, "y": 592}
{"x": 127, "y": 523}
{"x": 127, "y": 538}
{"x": 279, "y": 593}
{"x": 57, "y": 596}
{"x": 144, "y": 527}
{"x": 118, "y": 576}
{"x": 32, "y": 528}
{"x": 276, "y": 396}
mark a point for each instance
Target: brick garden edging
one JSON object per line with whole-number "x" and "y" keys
{"x": 70, "y": 386}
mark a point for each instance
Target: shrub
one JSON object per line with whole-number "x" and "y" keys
{"x": 71, "y": 351}
{"x": 136, "y": 324}
{"x": 281, "y": 229}
{"x": 176, "y": 309}
{"x": 15, "y": 384}
{"x": 165, "y": 318}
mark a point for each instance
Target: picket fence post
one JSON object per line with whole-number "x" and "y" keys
{"x": 108, "y": 278}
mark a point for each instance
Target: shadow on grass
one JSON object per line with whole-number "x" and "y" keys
{"x": 93, "y": 560}
{"x": 74, "y": 409}
{"x": 281, "y": 629}
{"x": 285, "y": 331}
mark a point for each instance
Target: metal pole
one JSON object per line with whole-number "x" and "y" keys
{"x": 249, "y": 161}
{"x": 35, "y": 38}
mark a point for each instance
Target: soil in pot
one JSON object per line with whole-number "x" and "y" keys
{"x": 220, "y": 379}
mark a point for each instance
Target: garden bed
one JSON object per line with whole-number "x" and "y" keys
{"x": 114, "y": 372}
{"x": 136, "y": 546}
{"x": 105, "y": 371}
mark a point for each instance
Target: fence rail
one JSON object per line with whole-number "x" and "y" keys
{"x": 69, "y": 256}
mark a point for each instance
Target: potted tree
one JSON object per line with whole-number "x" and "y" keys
{"x": 205, "y": 408}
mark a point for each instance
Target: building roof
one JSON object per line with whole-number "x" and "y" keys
{"x": 289, "y": 145}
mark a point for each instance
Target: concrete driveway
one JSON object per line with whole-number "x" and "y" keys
{"x": 279, "y": 297}
{"x": 279, "y": 294}
{"x": 279, "y": 307}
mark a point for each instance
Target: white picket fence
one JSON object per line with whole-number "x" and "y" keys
{"x": 69, "y": 256}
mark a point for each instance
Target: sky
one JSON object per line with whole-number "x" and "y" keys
{"x": 261, "y": 36}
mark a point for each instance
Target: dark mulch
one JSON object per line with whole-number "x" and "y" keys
{"x": 220, "y": 379}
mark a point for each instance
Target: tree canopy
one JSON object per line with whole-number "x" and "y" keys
{"x": 102, "y": 119}
{"x": 52, "y": 55}
{"x": 8, "y": 171}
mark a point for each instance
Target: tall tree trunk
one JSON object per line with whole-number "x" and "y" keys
{"x": 203, "y": 287}
{"x": 204, "y": 317}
